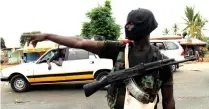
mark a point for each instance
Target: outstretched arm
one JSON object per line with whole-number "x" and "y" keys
{"x": 73, "y": 42}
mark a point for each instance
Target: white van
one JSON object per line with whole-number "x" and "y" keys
{"x": 170, "y": 48}
{"x": 78, "y": 66}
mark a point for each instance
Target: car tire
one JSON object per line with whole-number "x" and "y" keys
{"x": 173, "y": 68}
{"x": 19, "y": 83}
{"x": 101, "y": 76}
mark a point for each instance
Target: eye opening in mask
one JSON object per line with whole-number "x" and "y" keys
{"x": 129, "y": 26}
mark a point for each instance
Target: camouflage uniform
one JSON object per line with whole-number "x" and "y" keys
{"x": 150, "y": 83}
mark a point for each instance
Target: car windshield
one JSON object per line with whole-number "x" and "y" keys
{"x": 49, "y": 55}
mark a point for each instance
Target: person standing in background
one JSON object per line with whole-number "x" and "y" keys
{"x": 201, "y": 54}
{"x": 196, "y": 53}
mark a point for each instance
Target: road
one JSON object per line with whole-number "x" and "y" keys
{"x": 191, "y": 85}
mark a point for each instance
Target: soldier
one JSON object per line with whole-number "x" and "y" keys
{"x": 140, "y": 23}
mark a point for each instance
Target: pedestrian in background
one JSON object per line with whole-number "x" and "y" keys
{"x": 201, "y": 54}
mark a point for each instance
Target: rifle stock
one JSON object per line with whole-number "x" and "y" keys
{"x": 121, "y": 75}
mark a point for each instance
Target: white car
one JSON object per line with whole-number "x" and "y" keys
{"x": 78, "y": 66}
{"x": 170, "y": 48}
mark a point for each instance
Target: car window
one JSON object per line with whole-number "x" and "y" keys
{"x": 71, "y": 55}
{"x": 160, "y": 45}
{"x": 91, "y": 55}
{"x": 82, "y": 54}
{"x": 49, "y": 55}
{"x": 76, "y": 54}
{"x": 171, "y": 46}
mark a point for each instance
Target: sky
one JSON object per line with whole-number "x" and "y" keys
{"x": 65, "y": 17}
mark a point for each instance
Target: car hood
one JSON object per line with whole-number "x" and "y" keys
{"x": 17, "y": 68}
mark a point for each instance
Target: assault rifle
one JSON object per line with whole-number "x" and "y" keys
{"x": 121, "y": 75}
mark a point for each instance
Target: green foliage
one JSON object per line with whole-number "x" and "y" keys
{"x": 194, "y": 23}
{"x": 175, "y": 29}
{"x": 207, "y": 41}
{"x": 101, "y": 23}
{"x": 205, "y": 50}
{"x": 2, "y": 43}
{"x": 108, "y": 4}
{"x": 23, "y": 40}
{"x": 166, "y": 31}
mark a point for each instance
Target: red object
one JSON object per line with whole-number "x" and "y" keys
{"x": 182, "y": 54}
{"x": 126, "y": 40}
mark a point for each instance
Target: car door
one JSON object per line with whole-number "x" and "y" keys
{"x": 173, "y": 50}
{"x": 78, "y": 66}
{"x": 42, "y": 73}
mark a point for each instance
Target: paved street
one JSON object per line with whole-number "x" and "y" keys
{"x": 191, "y": 92}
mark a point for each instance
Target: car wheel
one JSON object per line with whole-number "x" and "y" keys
{"x": 173, "y": 68}
{"x": 101, "y": 76}
{"x": 19, "y": 84}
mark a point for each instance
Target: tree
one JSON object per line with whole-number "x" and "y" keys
{"x": 23, "y": 40}
{"x": 101, "y": 23}
{"x": 166, "y": 31}
{"x": 3, "y": 43}
{"x": 175, "y": 29}
{"x": 194, "y": 23}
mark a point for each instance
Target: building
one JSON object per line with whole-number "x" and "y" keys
{"x": 32, "y": 54}
{"x": 11, "y": 55}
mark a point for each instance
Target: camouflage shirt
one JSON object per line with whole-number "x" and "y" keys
{"x": 111, "y": 49}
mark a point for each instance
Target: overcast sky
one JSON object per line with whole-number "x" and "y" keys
{"x": 65, "y": 17}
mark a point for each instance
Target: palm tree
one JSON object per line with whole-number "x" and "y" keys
{"x": 166, "y": 31}
{"x": 200, "y": 23}
{"x": 194, "y": 23}
{"x": 175, "y": 29}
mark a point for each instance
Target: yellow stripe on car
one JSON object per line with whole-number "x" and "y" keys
{"x": 69, "y": 82}
{"x": 59, "y": 78}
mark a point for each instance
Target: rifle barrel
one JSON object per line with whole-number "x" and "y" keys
{"x": 170, "y": 63}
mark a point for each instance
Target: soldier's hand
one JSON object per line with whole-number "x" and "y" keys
{"x": 35, "y": 38}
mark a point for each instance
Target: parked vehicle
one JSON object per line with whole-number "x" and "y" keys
{"x": 78, "y": 66}
{"x": 170, "y": 48}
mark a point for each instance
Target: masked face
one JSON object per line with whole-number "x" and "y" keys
{"x": 133, "y": 32}
{"x": 128, "y": 29}
{"x": 140, "y": 23}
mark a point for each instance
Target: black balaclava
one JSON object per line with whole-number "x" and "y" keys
{"x": 144, "y": 23}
